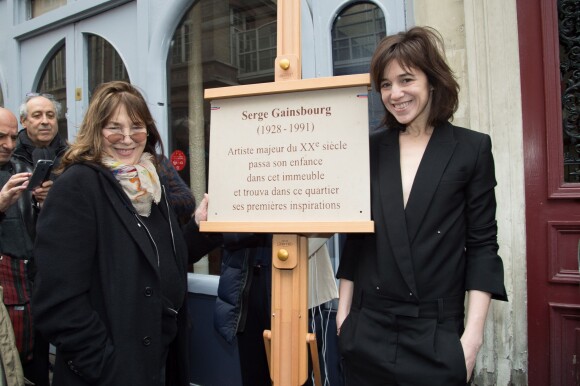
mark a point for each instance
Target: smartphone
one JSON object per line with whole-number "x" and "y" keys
{"x": 40, "y": 174}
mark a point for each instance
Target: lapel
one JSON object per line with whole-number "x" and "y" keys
{"x": 392, "y": 212}
{"x": 402, "y": 224}
{"x": 124, "y": 209}
{"x": 435, "y": 159}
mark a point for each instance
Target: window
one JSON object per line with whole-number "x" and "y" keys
{"x": 216, "y": 44}
{"x": 53, "y": 81}
{"x": 40, "y": 7}
{"x": 355, "y": 34}
{"x": 105, "y": 64}
{"x": 568, "y": 15}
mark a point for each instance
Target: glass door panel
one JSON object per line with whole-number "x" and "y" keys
{"x": 237, "y": 45}
{"x": 105, "y": 63}
{"x": 53, "y": 81}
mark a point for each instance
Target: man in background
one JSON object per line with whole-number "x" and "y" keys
{"x": 17, "y": 215}
{"x": 38, "y": 139}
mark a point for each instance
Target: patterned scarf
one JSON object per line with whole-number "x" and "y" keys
{"x": 140, "y": 182}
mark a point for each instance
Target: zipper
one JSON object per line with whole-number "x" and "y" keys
{"x": 169, "y": 220}
{"x": 244, "y": 295}
{"x": 140, "y": 223}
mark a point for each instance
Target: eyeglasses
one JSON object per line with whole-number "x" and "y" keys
{"x": 118, "y": 137}
{"x": 31, "y": 95}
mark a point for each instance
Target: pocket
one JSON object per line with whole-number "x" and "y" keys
{"x": 462, "y": 366}
{"x": 368, "y": 338}
{"x": 457, "y": 354}
{"x": 346, "y": 337}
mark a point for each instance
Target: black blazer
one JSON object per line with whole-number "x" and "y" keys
{"x": 445, "y": 241}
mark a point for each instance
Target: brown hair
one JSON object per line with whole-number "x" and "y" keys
{"x": 88, "y": 146}
{"x": 421, "y": 48}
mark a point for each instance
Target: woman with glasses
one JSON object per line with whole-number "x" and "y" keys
{"x": 112, "y": 259}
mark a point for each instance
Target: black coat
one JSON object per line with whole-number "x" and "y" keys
{"x": 97, "y": 295}
{"x": 241, "y": 252}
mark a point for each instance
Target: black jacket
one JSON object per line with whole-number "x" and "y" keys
{"x": 241, "y": 252}
{"x": 97, "y": 295}
{"x": 27, "y": 152}
{"x": 444, "y": 242}
{"x": 18, "y": 222}
{"x": 24, "y": 159}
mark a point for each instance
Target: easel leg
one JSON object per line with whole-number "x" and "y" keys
{"x": 312, "y": 344}
{"x": 311, "y": 340}
{"x": 268, "y": 346}
{"x": 287, "y": 358}
{"x": 289, "y": 354}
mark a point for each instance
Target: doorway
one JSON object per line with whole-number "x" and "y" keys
{"x": 552, "y": 166}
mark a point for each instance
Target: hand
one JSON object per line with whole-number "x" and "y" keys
{"x": 471, "y": 346}
{"x": 13, "y": 189}
{"x": 472, "y": 338}
{"x": 201, "y": 211}
{"x": 340, "y": 317}
{"x": 345, "y": 291}
{"x": 41, "y": 192}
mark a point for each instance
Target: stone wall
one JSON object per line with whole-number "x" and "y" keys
{"x": 481, "y": 42}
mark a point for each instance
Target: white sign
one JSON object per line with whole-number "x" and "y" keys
{"x": 297, "y": 156}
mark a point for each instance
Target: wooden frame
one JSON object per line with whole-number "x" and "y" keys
{"x": 287, "y": 86}
{"x": 279, "y": 88}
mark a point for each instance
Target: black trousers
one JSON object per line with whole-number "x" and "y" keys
{"x": 251, "y": 349}
{"x": 381, "y": 347}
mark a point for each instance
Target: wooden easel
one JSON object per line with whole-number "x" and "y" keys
{"x": 288, "y": 341}
{"x": 286, "y": 350}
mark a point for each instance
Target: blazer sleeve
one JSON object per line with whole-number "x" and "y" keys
{"x": 484, "y": 270}
{"x": 198, "y": 243}
{"x": 354, "y": 244}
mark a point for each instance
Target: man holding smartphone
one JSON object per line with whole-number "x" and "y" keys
{"x": 17, "y": 215}
{"x": 39, "y": 139}
{"x": 12, "y": 183}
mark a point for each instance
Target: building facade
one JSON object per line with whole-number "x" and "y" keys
{"x": 508, "y": 55}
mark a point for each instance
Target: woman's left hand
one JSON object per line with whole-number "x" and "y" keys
{"x": 472, "y": 337}
{"x": 201, "y": 211}
{"x": 470, "y": 349}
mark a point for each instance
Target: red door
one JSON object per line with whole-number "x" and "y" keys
{"x": 550, "y": 76}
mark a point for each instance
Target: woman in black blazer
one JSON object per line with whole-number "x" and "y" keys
{"x": 402, "y": 289}
{"x": 111, "y": 287}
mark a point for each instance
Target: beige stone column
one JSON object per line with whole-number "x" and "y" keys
{"x": 481, "y": 41}
{"x": 495, "y": 108}
{"x": 196, "y": 122}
